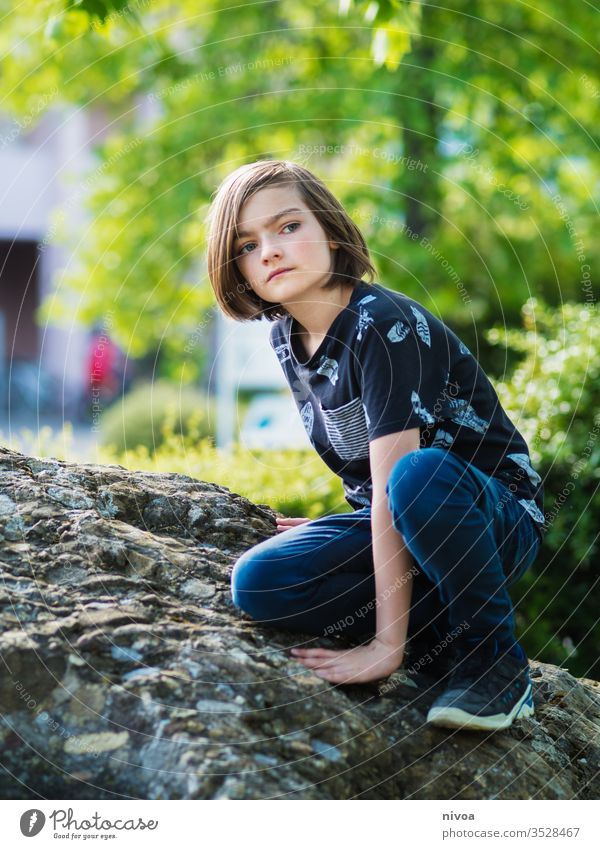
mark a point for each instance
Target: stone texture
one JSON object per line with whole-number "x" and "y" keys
{"x": 126, "y": 672}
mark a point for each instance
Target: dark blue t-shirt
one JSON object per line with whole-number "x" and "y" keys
{"x": 387, "y": 364}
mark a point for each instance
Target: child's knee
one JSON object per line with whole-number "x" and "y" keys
{"x": 419, "y": 480}
{"x": 248, "y": 584}
{"x": 242, "y": 579}
{"x": 401, "y": 472}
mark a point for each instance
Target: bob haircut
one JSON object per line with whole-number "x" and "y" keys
{"x": 234, "y": 294}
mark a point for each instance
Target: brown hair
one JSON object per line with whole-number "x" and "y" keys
{"x": 234, "y": 295}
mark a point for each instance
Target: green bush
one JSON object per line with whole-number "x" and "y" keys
{"x": 149, "y": 410}
{"x": 293, "y": 482}
{"x": 553, "y": 399}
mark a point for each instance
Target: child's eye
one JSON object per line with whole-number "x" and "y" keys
{"x": 243, "y": 250}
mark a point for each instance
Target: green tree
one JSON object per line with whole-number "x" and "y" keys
{"x": 553, "y": 398}
{"x": 461, "y": 137}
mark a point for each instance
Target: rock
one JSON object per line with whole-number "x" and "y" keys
{"x": 128, "y": 672}
{"x": 95, "y": 744}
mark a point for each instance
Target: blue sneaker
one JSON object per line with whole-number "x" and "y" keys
{"x": 486, "y": 691}
{"x": 426, "y": 666}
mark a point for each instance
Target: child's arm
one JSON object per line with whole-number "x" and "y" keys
{"x": 392, "y": 561}
{"x": 393, "y": 582}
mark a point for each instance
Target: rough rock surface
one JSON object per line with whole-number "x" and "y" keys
{"x": 126, "y": 672}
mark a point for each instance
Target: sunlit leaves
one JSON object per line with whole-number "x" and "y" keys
{"x": 203, "y": 89}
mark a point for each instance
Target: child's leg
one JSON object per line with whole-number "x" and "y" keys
{"x": 468, "y": 534}
{"x": 318, "y": 579}
{"x": 472, "y": 538}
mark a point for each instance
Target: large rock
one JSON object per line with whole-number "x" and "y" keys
{"x": 127, "y": 672}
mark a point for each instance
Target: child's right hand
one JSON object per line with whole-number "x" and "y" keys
{"x": 284, "y": 523}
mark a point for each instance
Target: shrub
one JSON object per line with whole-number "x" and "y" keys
{"x": 293, "y": 482}
{"x": 140, "y": 418}
{"x": 553, "y": 398}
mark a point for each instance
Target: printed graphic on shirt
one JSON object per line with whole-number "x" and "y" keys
{"x": 367, "y": 300}
{"x": 532, "y": 509}
{"x": 398, "y": 332}
{"x": 283, "y": 352}
{"x": 346, "y": 428}
{"x": 523, "y": 461}
{"x": 442, "y": 439}
{"x": 422, "y": 326}
{"x": 362, "y": 494}
{"x": 329, "y": 368}
{"x": 367, "y": 419}
{"x": 307, "y": 415}
{"x": 420, "y": 410}
{"x": 364, "y": 320}
{"x": 300, "y": 390}
{"x": 463, "y": 348}
{"x": 461, "y": 412}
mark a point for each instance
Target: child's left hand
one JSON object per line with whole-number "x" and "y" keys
{"x": 352, "y": 666}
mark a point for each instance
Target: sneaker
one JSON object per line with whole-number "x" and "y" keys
{"x": 424, "y": 669}
{"x": 425, "y": 665}
{"x": 486, "y": 691}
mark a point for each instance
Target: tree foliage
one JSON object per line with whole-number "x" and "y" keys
{"x": 462, "y": 138}
{"x": 553, "y": 398}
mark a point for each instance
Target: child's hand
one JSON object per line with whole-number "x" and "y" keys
{"x": 284, "y": 523}
{"x": 352, "y": 666}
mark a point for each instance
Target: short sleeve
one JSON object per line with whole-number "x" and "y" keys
{"x": 398, "y": 376}
{"x": 278, "y": 343}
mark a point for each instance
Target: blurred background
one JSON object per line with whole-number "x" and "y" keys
{"x": 463, "y": 140}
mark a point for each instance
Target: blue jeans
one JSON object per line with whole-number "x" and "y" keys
{"x": 468, "y": 536}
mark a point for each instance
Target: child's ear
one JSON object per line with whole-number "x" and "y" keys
{"x": 334, "y": 246}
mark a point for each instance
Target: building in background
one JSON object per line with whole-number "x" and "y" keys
{"x": 243, "y": 360}
{"x": 44, "y": 370}
{"x": 38, "y": 172}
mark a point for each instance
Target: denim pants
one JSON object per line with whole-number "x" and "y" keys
{"x": 468, "y": 536}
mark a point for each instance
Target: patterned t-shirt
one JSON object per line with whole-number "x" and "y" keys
{"x": 387, "y": 364}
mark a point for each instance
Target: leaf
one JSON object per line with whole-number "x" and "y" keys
{"x": 389, "y": 46}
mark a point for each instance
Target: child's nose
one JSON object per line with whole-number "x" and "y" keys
{"x": 270, "y": 249}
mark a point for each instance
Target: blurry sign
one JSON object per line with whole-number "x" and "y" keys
{"x": 244, "y": 360}
{"x": 254, "y": 362}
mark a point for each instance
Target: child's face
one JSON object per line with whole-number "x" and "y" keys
{"x": 295, "y": 241}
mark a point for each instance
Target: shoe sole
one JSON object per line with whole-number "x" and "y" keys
{"x": 449, "y": 717}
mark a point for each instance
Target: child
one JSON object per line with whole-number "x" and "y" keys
{"x": 447, "y": 508}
